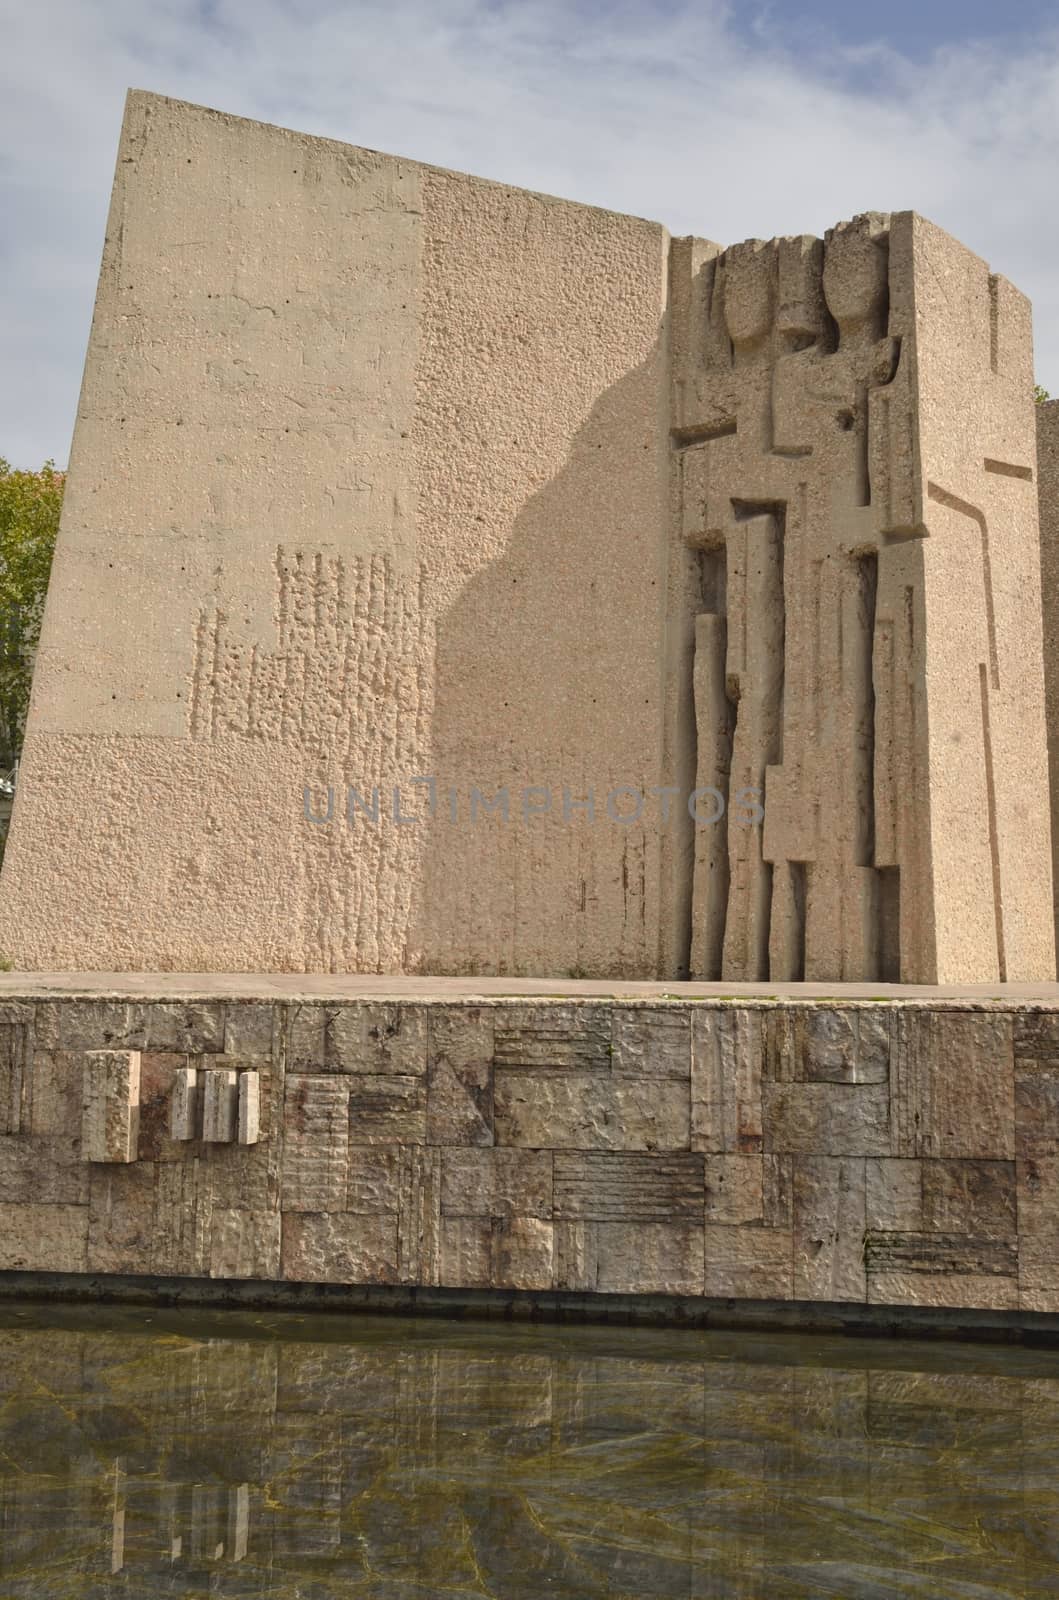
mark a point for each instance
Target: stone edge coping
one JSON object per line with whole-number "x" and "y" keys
{"x": 500, "y": 992}
{"x": 850, "y": 1320}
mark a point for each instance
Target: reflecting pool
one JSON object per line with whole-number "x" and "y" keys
{"x": 314, "y": 1458}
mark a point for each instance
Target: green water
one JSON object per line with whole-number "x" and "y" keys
{"x": 279, "y": 1455}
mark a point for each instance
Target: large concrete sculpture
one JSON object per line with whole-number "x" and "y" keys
{"x": 855, "y": 424}
{"x": 450, "y": 579}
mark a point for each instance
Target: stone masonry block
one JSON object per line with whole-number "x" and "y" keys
{"x": 460, "y": 1076}
{"x": 827, "y": 1119}
{"x": 497, "y": 1252}
{"x": 185, "y": 1106}
{"x": 577, "y": 1038}
{"x": 316, "y": 1144}
{"x": 727, "y": 1053}
{"x": 339, "y": 1248}
{"x": 111, "y": 1105}
{"x": 653, "y": 1040}
{"x": 249, "y": 1114}
{"x": 220, "y": 1105}
{"x": 633, "y": 1186}
{"x": 570, "y": 1110}
{"x": 826, "y": 1044}
{"x": 496, "y": 1183}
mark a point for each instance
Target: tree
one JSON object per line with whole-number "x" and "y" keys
{"x": 1040, "y": 395}
{"x": 30, "y": 503}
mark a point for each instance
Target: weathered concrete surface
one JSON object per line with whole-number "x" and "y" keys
{"x": 863, "y": 1152}
{"x": 372, "y": 460}
{"x": 418, "y": 486}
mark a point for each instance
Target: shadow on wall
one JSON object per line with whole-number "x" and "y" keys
{"x": 551, "y": 690}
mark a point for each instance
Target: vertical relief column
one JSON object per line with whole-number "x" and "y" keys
{"x": 722, "y": 408}
{"x": 756, "y": 632}
{"x": 715, "y": 716}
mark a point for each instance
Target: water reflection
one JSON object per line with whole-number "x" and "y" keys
{"x": 179, "y": 1455}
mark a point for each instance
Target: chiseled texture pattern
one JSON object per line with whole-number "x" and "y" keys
{"x": 903, "y": 1154}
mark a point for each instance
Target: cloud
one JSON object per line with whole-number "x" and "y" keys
{"x": 668, "y": 111}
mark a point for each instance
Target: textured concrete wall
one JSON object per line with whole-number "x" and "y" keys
{"x": 385, "y": 474}
{"x": 369, "y": 482}
{"x": 903, "y": 1154}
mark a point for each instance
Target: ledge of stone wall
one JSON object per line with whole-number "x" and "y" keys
{"x": 824, "y": 1151}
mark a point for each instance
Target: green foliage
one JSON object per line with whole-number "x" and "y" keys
{"x": 30, "y": 503}
{"x": 1040, "y": 395}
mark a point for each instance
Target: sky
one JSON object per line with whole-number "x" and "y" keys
{"x": 752, "y": 118}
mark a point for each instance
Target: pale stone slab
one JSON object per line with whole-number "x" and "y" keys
{"x": 629, "y": 1257}
{"x": 121, "y": 1218}
{"x": 734, "y": 1189}
{"x": 1036, "y": 1108}
{"x": 384, "y": 1040}
{"x": 186, "y": 1105}
{"x": 249, "y": 1107}
{"x": 56, "y": 1088}
{"x": 111, "y": 1108}
{"x": 220, "y": 1105}
{"x": 251, "y": 1029}
{"x": 893, "y": 1194}
{"x": 16, "y": 1066}
{"x": 830, "y": 1045}
{"x": 36, "y": 1169}
{"x": 387, "y": 1110}
{"x": 419, "y": 1208}
{"x": 968, "y": 1290}
{"x": 973, "y": 1197}
{"x": 373, "y": 1180}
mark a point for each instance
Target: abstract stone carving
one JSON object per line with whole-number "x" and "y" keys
{"x": 853, "y": 421}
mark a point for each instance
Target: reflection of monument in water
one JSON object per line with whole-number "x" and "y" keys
{"x": 472, "y": 1461}
{"x": 417, "y": 477}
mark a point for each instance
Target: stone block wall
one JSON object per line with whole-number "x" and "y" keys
{"x": 886, "y": 1153}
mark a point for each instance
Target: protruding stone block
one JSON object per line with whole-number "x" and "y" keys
{"x": 185, "y": 1106}
{"x": 110, "y": 1122}
{"x": 249, "y": 1107}
{"x": 220, "y": 1105}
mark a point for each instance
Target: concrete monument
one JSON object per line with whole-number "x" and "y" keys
{"x": 456, "y": 580}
